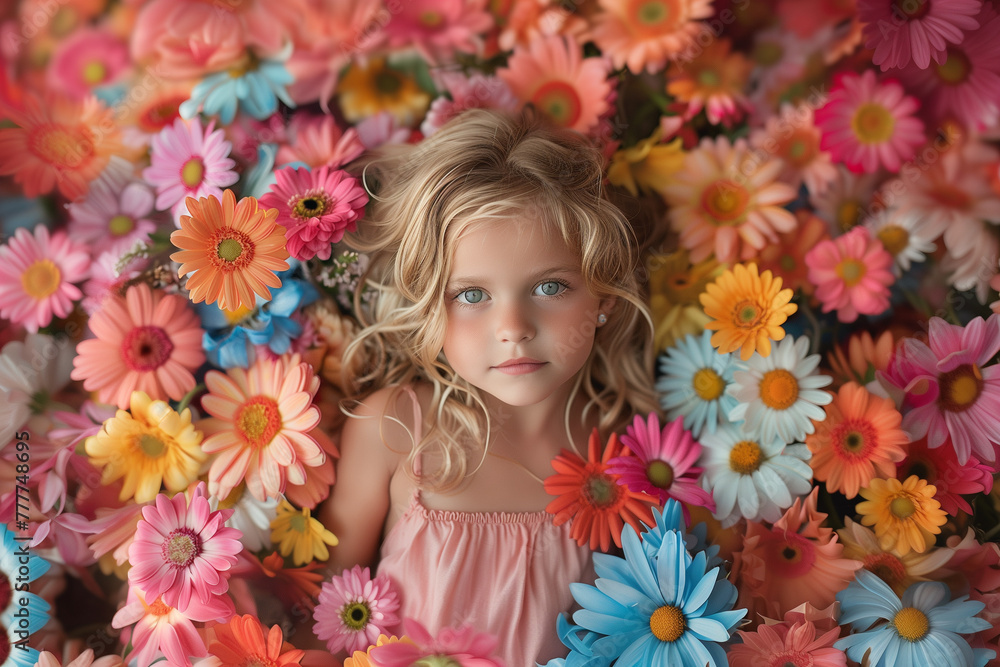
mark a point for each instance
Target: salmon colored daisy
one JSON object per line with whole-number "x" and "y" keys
{"x": 259, "y": 426}
{"x": 786, "y": 259}
{"x": 553, "y": 75}
{"x": 714, "y": 81}
{"x": 787, "y": 644}
{"x": 852, "y": 274}
{"x": 747, "y": 310}
{"x": 57, "y": 143}
{"x": 299, "y": 535}
{"x": 641, "y": 34}
{"x": 521, "y": 22}
{"x": 863, "y": 358}
{"x": 904, "y": 514}
{"x": 148, "y": 341}
{"x": 231, "y": 249}
{"x": 727, "y": 200}
{"x": 592, "y": 497}
{"x": 242, "y": 641}
{"x": 793, "y": 136}
{"x": 858, "y": 440}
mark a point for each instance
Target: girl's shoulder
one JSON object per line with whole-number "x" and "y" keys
{"x": 392, "y": 416}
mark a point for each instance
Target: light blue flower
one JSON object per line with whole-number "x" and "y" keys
{"x": 580, "y": 643}
{"x": 693, "y": 382}
{"x": 664, "y": 610}
{"x": 921, "y": 629}
{"x": 26, "y": 613}
{"x": 672, "y": 519}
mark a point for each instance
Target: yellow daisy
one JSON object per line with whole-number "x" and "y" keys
{"x": 747, "y": 310}
{"x": 364, "y": 91}
{"x": 904, "y": 514}
{"x": 674, "y": 286}
{"x": 360, "y": 658}
{"x": 647, "y": 164}
{"x": 152, "y": 446}
{"x": 298, "y": 534}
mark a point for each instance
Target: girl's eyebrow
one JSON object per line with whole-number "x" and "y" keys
{"x": 553, "y": 270}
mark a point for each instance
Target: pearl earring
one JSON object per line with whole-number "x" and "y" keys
{"x": 602, "y": 318}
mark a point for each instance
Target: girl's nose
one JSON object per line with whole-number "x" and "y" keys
{"x": 514, "y": 325}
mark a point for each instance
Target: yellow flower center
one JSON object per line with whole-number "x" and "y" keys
{"x": 911, "y": 623}
{"x": 560, "y": 101}
{"x": 431, "y": 19}
{"x": 652, "y": 13}
{"x": 851, "y": 271}
{"x": 767, "y": 54}
{"x": 151, "y": 446}
{"x": 894, "y": 238}
{"x": 747, "y": 314}
{"x": 745, "y": 457}
{"x": 955, "y": 69}
{"x": 62, "y": 147}
{"x": 779, "y": 389}
{"x": 298, "y": 523}
{"x": 960, "y": 388}
{"x": 258, "y": 421}
{"x": 725, "y": 201}
{"x": 660, "y": 474}
{"x": 234, "y": 497}
{"x": 229, "y": 250}
{"x": 159, "y": 608}
{"x": 94, "y": 72}
{"x": 708, "y": 384}
{"x": 41, "y": 279}
{"x": 238, "y": 315}
{"x": 847, "y": 214}
{"x": 873, "y": 123}
{"x": 121, "y": 225}
{"x": 902, "y": 507}
{"x": 192, "y": 173}
{"x": 667, "y": 623}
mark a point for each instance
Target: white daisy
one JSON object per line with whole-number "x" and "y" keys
{"x": 905, "y": 235}
{"x": 845, "y": 201}
{"x": 252, "y": 517}
{"x": 779, "y": 395}
{"x": 31, "y": 372}
{"x": 693, "y": 383}
{"x": 753, "y": 479}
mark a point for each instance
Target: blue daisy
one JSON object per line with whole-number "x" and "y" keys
{"x": 693, "y": 382}
{"x": 921, "y": 629}
{"x": 665, "y": 610}
{"x": 672, "y": 519}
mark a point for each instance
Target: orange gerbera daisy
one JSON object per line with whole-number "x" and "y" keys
{"x": 786, "y": 259}
{"x": 241, "y": 641}
{"x": 598, "y": 505}
{"x": 747, "y": 310}
{"x": 714, "y": 81}
{"x": 859, "y": 440}
{"x": 863, "y": 358}
{"x": 58, "y": 142}
{"x": 232, "y": 250}
{"x": 904, "y": 514}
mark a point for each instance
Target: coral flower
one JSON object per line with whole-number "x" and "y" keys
{"x": 864, "y": 357}
{"x": 319, "y": 141}
{"x": 57, "y": 143}
{"x": 787, "y": 643}
{"x": 37, "y": 272}
{"x": 476, "y": 91}
{"x": 952, "y": 480}
{"x": 793, "y": 136}
{"x": 786, "y": 259}
{"x": 242, "y": 641}
{"x": 368, "y": 88}
{"x": 232, "y": 249}
{"x": 87, "y": 59}
{"x": 462, "y": 647}
{"x": 867, "y": 124}
{"x": 316, "y": 208}
{"x": 299, "y": 535}
{"x": 591, "y": 496}
{"x": 641, "y": 34}
{"x": 852, "y": 274}
{"x": 85, "y": 659}
{"x": 858, "y": 440}
{"x": 747, "y": 310}
{"x": 714, "y": 81}
{"x": 438, "y": 28}
{"x": 354, "y": 610}
{"x": 917, "y": 31}
{"x": 727, "y": 200}
{"x": 521, "y": 22}
{"x": 148, "y": 341}
{"x": 904, "y": 514}
{"x": 259, "y": 430}
{"x": 151, "y": 445}
{"x": 553, "y": 75}
{"x": 662, "y": 462}
{"x": 182, "y": 551}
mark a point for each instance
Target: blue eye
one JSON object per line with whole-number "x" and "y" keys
{"x": 550, "y": 288}
{"x": 470, "y": 296}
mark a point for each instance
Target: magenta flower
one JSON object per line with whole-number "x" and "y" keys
{"x": 183, "y": 552}
{"x": 917, "y": 30}
{"x": 949, "y": 388}
{"x": 87, "y": 59}
{"x": 663, "y": 462}
{"x": 463, "y": 647}
{"x": 316, "y": 208}
{"x": 354, "y": 610}
{"x": 852, "y": 274}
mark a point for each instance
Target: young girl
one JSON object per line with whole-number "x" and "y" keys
{"x": 506, "y": 325}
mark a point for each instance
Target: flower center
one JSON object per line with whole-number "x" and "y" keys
{"x": 233, "y": 250}
{"x": 847, "y": 214}
{"x": 894, "y": 238}
{"x": 708, "y": 384}
{"x": 258, "y": 661}
{"x": 911, "y": 623}
{"x": 311, "y": 204}
{"x": 955, "y": 69}
{"x": 767, "y": 54}
{"x": 160, "y": 608}
{"x": 298, "y": 523}
{"x": 747, "y": 314}
{"x": 667, "y": 623}
{"x": 355, "y": 615}
{"x": 94, "y": 72}
{"x": 437, "y": 661}
{"x": 791, "y": 659}
{"x": 151, "y": 446}
{"x": 854, "y": 439}
{"x": 709, "y": 78}
{"x": 559, "y": 101}
{"x": 660, "y": 474}
{"x": 181, "y": 547}
{"x": 910, "y": 9}
{"x": 600, "y": 490}
{"x": 146, "y": 348}
{"x": 886, "y": 567}
{"x": 745, "y": 457}
{"x": 431, "y": 19}
{"x": 258, "y": 420}
{"x": 229, "y": 250}
{"x": 851, "y": 271}
{"x": 192, "y": 173}
{"x": 873, "y": 123}
{"x": 793, "y": 554}
{"x": 120, "y": 225}
{"x": 41, "y": 279}
{"x": 388, "y": 83}
{"x": 779, "y": 389}
{"x": 902, "y": 507}
{"x": 725, "y": 201}
{"x": 652, "y": 13}
{"x": 960, "y": 388}
{"x": 62, "y": 147}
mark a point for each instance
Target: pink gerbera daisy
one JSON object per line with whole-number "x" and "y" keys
{"x": 354, "y": 610}
{"x": 797, "y": 643}
{"x": 917, "y": 29}
{"x": 867, "y": 124}
{"x": 949, "y": 388}
{"x": 477, "y": 91}
{"x": 463, "y": 647}
{"x": 147, "y": 341}
{"x": 663, "y": 462}
{"x": 183, "y": 552}
{"x": 114, "y": 216}
{"x": 852, "y": 274}
{"x": 941, "y": 469}
{"x": 107, "y": 281}
{"x": 319, "y": 141}
{"x": 37, "y": 273}
{"x": 793, "y": 136}
{"x": 188, "y": 161}
{"x": 438, "y": 28}
{"x": 87, "y": 59}
{"x": 553, "y": 75}
{"x": 316, "y": 208}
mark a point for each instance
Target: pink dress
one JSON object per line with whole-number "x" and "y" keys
{"x": 503, "y": 573}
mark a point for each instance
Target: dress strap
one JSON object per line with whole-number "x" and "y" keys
{"x": 418, "y": 424}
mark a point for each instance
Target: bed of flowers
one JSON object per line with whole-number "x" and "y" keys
{"x": 817, "y": 188}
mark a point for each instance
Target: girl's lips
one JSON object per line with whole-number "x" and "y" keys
{"x": 518, "y": 367}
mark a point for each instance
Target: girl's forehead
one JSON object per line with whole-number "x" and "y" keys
{"x": 514, "y": 240}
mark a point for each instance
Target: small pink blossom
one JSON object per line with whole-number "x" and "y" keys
{"x": 852, "y": 274}
{"x": 437, "y": 28}
{"x": 477, "y": 91}
{"x": 354, "y": 610}
{"x": 87, "y": 59}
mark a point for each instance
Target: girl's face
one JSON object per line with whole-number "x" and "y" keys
{"x": 521, "y": 321}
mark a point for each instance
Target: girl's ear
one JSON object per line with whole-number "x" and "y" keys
{"x": 605, "y": 308}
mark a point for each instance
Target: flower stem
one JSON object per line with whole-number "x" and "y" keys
{"x": 195, "y": 390}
